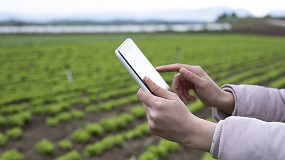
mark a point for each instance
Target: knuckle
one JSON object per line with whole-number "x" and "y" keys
{"x": 205, "y": 84}
{"x": 158, "y": 103}
{"x": 156, "y": 88}
{"x": 199, "y": 67}
{"x": 138, "y": 95}
{"x": 179, "y": 65}
{"x": 174, "y": 95}
{"x": 153, "y": 116}
{"x": 152, "y": 127}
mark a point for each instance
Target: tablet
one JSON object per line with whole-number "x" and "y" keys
{"x": 138, "y": 65}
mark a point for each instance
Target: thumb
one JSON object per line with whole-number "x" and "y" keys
{"x": 157, "y": 90}
{"x": 192, "y": 77}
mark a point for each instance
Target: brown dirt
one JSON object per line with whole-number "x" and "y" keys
{"x": 37, "y": 129}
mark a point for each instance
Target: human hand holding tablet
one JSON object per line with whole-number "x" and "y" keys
{"x": 138, "y": 65}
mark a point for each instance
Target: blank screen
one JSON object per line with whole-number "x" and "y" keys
{"x": 142, "y": 66}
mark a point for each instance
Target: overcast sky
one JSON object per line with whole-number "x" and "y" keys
{"x": 70, "y": 7}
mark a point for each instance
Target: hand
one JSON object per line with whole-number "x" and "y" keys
{"x": 169, "y": 118}
{"x": 194, "y": 77}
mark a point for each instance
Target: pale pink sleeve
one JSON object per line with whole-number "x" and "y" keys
{"x": 242, "y": 138}
{"x": 266, "y": 104}
{"x": 238, "y": 136}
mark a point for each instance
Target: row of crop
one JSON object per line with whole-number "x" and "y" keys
{"x": 106, "y": 143}
{"x": 12, "y": 133}
{"x": 70, "y": 99}
{"x": 11, "y": 154}
{"x": 18, "y": 119}
{"x": 162, "y": 149}
{"x": 278, "y": 83}
{"x": 40, "y": 88}
{"x": 46, "y": 147}
{"x": 115, "y": 140}
{"x": 109, "y": 124}
{"x": 244, "y": 66}
{"x": 270, "y": 75}
{"x": 52, "y": 66}
{"x": 60, "y": 117}
{"x": 55, "y": 108}
{"x": 109, "y": 105}
{"x": 15, "y": 122}
{"x": 252, "y": 73}
{"x": 64, "y": 117}
{"x": 11, "y": 109}
{"x": 92, "y": 95}
{"x": 84, "y": 135}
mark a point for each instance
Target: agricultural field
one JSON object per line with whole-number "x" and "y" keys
{"x": 68, "y": 97}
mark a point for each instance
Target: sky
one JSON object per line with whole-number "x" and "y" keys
{"x": 46, "y": 8}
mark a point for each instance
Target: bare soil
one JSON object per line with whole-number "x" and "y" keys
{"x": 37, "y": 129}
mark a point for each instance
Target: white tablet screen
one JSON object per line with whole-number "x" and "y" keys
{"x": 142, "y": 66}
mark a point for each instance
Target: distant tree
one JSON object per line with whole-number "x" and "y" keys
{"x": 233, "y": 15}
{"x": 223, "y": 16}
{"x": 268, "y": 16}
{"x": 227, "y": 16}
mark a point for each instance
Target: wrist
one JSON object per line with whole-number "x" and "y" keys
{"x": 226, "y": 102}
{"x": 202, "y": 134}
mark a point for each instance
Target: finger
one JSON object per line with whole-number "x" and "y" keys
{"x": 176, "y": 84}
{"x": 186, "y": 95}
{"x": 171, "y": 67}
{"x": 177, "y": 87}
{"x": 192, "y": 77}
{"x": 146, "y": 108}
{"x": 158, "y": 91}
{"x": 176, "y": 68}
{"x": 149, "y": 121}
{"x": 180, "y": 86}
{"x": 145, "y": 97}
{"x": 189, "y": 97}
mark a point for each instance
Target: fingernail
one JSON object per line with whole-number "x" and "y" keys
{"x": 183, "y": 71}
{"x": 146, "y": 79}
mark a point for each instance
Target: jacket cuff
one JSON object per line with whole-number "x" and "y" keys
{"x": 214, "y": 151}
{"x": 229, "y": 88}
{"x": 219, "y": 114}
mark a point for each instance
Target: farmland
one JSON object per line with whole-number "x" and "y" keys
{"x": 67, "y": 96}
